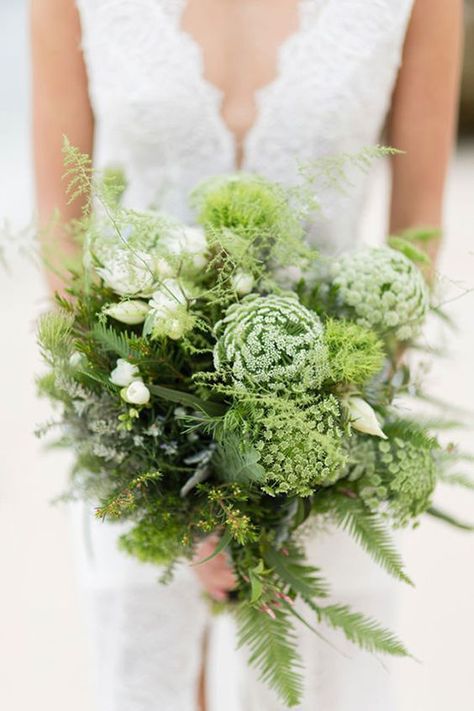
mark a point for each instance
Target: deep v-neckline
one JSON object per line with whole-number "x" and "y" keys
{"x": 216, "y": 95}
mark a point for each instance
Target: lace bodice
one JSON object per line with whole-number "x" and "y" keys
{"x": 159, "y": 118}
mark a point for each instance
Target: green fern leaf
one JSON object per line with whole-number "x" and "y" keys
{"x": 272, "y": 646}
{"x": 369, "y": 531}
{"x": 114, "y": 341}
{"x": 303, "y": 579}
{"x": 361, "y": 630}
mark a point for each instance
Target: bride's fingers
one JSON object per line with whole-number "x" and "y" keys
{"x": 218, "y": 595}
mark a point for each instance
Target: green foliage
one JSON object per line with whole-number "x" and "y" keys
{"x": 157, "y": 538}
{"x": 363, "y": 631}
{"x": 238, "y": 461}
{"x": 55, "y": 335}
{"x": 127, "y": 500}
{"x": 303, "y": 579}
{"x": 355, "y": 352}
{"x": 450, "y": 519}
{"x": 272, "y": 644}
{"x": 78, "y": 173}
{"x": 409, "y": 250}
{"x": 118, "y": 342}
{"x": 366, "y": 527}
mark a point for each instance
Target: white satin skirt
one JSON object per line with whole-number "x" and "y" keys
{"x": 147, "y": 639}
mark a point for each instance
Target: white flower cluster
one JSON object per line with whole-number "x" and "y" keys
{"x": 148, "y": 280}
{"x": 269, "y": 340}
{"x": 384, "y": 288}
{"x": 131, "y": 271}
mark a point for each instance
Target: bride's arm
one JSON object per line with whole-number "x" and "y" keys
{"x": 61, "y": 107}
{"x": 424, "y": 113}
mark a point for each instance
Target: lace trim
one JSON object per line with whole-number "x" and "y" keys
{"x": 307, "y": 13}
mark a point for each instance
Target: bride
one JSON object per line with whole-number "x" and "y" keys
{"x": 174, "y": 91}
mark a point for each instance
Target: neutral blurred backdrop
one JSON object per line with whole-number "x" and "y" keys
{"x": 44, "y": 657}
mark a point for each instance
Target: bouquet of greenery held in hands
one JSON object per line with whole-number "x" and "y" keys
{"x": 223, "y": 378}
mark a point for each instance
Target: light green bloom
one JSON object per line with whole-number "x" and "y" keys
{"x": 384, "y": 290}
{"x": 300, "y": 448}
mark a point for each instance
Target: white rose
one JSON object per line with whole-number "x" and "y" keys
{"x": 191, "y": 241}
{"x": 136, "y": 393}
{"x": 163, "y": 268}
{"x": 124, "y": 373}
{"x": 242, "y": 283}
{"x": 363, "y": 417}
{"x": 169, "y": 296}
{"x": 128, "y": 272}
{"x": 129, "y": 312}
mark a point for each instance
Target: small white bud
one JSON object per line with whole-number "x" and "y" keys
{"x": 363, "y": 417}
{"x": 130, "y": 312}
{"x": 124, "y": 373}
{"x": 242, "y": 283}
{"x": 136, "y": 393}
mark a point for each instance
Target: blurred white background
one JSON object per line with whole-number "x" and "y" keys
{"x": 44, "y": 659}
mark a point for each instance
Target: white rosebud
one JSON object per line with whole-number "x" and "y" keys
{"x": 129, "y": 312}
{"x": 242, "y": 283}
{"x": 75, "y": 359}
{"x": 163, "y": 268}
{"x": 170, "y": 295}
{"x": 136, "y": 393}
{"x": 191, "y": 241}
{"x": 128, "y": 272}
{"x": 124, "y": 373}
{"x": 179, "y": 412}
{"x": 363, "y": 417}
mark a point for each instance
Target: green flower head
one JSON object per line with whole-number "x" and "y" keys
{"x": 300, "y": 448}
{"x": 383, "y": 289}
{"x": 269, "y": 340}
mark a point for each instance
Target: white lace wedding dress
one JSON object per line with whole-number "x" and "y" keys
{"x": 159, "y": 118}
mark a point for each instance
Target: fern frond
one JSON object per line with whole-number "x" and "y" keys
{"x": 369, "y": 531}
{"x": 114, "y": 341}
{"x": 361, "y": 630}
{"x": 272, "y": 646}
{"x": 78, "y": 173}
{"x": 303, "y": 579}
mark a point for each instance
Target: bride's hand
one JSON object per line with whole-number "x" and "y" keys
{"x": 216, "y": 576}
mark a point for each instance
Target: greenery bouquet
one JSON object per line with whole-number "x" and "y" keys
{"x": 224, "y": 378}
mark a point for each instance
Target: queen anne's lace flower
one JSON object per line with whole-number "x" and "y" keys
{"x": 384, "y": 288}
{"x": 300, "y": 448}
{"x": 269, "y": 339}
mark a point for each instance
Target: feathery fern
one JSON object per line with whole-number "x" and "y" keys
{"x": 117, "y": 342}
{"x": 272, "y": 645}
{"x": 370, "y": 532}
{"x": 361, "y": 630}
